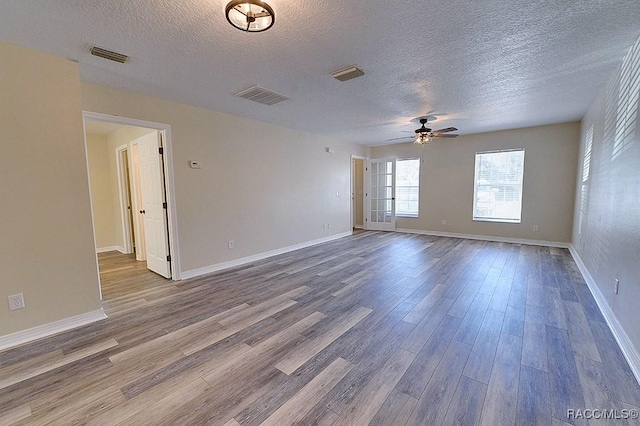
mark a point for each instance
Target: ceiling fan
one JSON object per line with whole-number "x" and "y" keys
{"x": 424, "y": 135}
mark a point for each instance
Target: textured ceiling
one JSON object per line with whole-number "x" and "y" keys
{"x": 478, "y": 65}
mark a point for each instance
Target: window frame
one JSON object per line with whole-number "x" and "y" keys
{"x": 410, "y": 215}
{"x": 475, "y": 187}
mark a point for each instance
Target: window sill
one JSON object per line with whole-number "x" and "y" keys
{"x": 488, "y": 219}
{"x": 406, "y": 215}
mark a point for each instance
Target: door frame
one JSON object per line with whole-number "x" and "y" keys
{"x": 354, "y": 195}
{"x": 167, "y": 159}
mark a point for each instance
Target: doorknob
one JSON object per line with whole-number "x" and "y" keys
{"x": 142, "y": 212}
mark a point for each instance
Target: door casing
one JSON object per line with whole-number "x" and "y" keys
{"x": 167, "y": 158}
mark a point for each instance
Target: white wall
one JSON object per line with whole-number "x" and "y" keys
{"x": 47, "y": 248}
{"x": 608, "y": 242}
{"x": 102, "y": 196}
{"x": 447, "y": 174}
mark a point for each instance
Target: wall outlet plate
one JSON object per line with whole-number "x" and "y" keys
{"x": 16, "y": 301}
{"x": 616, "y": 285}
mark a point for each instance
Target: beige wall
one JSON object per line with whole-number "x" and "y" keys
{"x": 103, "y": 199}
{"x": 263, "y": 186}
{"x": 609, "y": 241}
{"x": 47, "y": 247}
{"x": 447, "y": 173}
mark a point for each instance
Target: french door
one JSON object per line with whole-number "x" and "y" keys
{"x": 381, "y": 194}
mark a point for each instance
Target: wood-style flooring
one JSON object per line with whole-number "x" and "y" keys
{"x": 376, "y": 328}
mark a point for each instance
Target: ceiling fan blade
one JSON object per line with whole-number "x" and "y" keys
{"x": 450, "y": 135}
{"x": 445, "y": 130}
{"x": 408, "y": 131}
{"x": 397, "y": 139}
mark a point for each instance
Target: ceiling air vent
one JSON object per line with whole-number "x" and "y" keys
{"x": 348, "y": 74}
{"x": 108, "y": 54}
{"x": 261, "y": 95}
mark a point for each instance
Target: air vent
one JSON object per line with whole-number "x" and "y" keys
{"x": 261, "y": 95}
{"x": 348, "y": 74}
{"x": 108, "y": 54}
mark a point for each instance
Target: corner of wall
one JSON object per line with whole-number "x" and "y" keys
{"x": 624, "y": 341}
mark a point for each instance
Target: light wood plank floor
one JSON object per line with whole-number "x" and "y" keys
{"x": 376, "y": 328}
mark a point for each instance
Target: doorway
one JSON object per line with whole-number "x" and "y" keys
{"x": 130, "y": 176}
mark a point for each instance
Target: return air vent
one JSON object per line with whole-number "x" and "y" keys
{"x": 348, "y": 74}
{"x": 108, "y": 54}
{"x": 261, "y": 95}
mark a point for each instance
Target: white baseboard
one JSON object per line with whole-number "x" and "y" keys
{"x": 487, "y": 238}
{"x": 25, "y": 336}
{"x": 110, "y": 248}
{"x": 260, "y": 256}
{"x": 626, "y": 345}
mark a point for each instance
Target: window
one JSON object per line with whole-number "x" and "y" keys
{"x": 586, "y": 159}
{"x": 498, "y": 186}
{"x": 627, "y": 102}
{"x": 407, "y": 187}
{"x": 584, "y": 189}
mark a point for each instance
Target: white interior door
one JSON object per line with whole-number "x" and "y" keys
{"x": 153, "y": 197}
{"x": 381, "y": 194}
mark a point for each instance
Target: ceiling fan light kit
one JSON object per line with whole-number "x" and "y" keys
{"x": 422, "y": 138}
{"x": 424, "y": 135}
{"x": 252, "y": 16}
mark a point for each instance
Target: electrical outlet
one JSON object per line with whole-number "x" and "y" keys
{"x": 329, "y": 225}
{"x": 324, "y": 226}
{"x": 616, "y": 285}
{"x": 535, "y": 228}
{"x": 16, "y": 301}
{"x": 232, "y": 244}
{"x": 444, "y": 222}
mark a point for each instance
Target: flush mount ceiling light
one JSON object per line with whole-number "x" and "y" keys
{"x": 252, "y": 16}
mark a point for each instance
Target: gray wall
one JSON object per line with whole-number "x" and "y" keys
{"x": 606, "y": 233}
